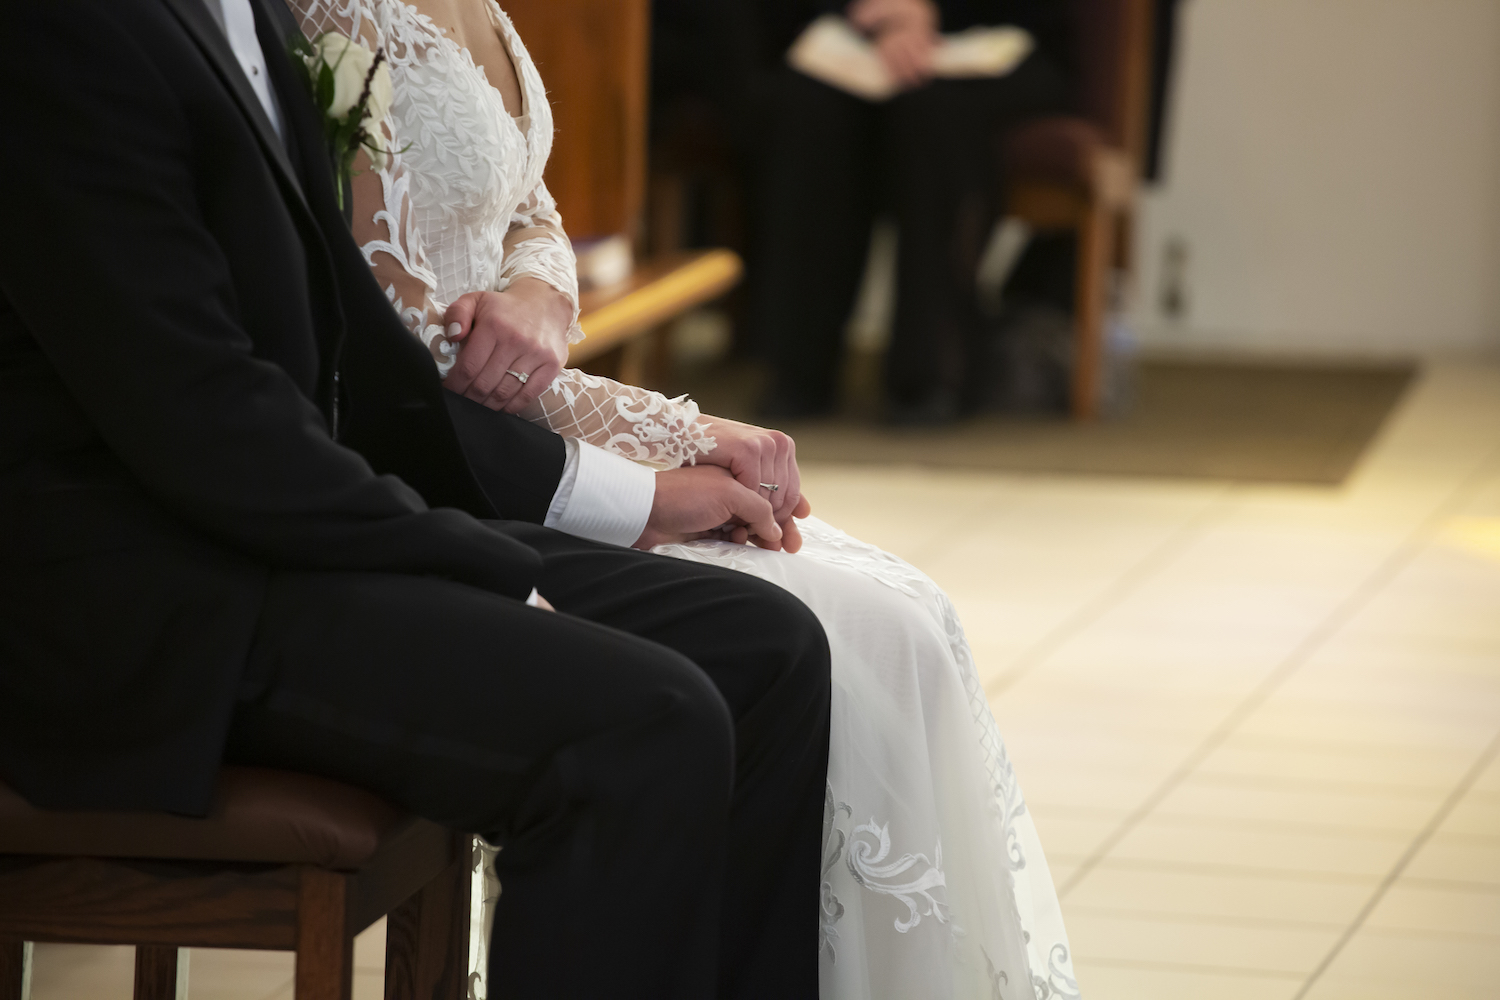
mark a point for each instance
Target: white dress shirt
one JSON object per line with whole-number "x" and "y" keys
{"x": 601, "y": 495}
{"x": 238, "y": 22}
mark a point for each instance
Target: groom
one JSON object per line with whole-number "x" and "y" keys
{"x": 237, "y": 523}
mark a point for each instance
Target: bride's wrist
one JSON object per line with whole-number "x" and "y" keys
{"x": 557, "y": 307}
{"x": 722, "y": 433}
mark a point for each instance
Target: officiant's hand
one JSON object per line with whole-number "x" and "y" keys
{"x": 522, "y": 329}
{"x": 905, "y": 33}
{"x": 698, "y": 501}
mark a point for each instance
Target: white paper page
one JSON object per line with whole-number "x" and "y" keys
{"x": 831, "y": 50}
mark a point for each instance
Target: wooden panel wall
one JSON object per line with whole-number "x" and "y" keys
{"x": 593, "y": 56}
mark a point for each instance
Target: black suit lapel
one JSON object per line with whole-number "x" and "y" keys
{"x": 201, "y": 26}
{"x": 301, "y": 122}
{"x": 308, "y": 152}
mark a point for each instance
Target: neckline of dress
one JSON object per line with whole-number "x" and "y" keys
{"x": 498, "y": 22}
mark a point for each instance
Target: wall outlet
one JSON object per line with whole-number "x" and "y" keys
{"x": 1174, "y": 298}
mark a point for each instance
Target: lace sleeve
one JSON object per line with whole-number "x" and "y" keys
{"x": 537, "y": 247}
{"x": 384, "y": 225}
{"x": 639, "y": 424}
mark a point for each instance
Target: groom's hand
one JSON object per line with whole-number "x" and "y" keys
{"x": 522, "y": 329}
{"x": 699, "y": 502}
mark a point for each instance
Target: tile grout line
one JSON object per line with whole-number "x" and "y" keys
{"x": 1229, "y": 971}
{"x": 1486, "y": 758}
{"x": 1366, "y": 591}
{"x": 1095, "y": 608}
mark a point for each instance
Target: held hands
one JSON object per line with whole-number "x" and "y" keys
{"x": 698, "y": 501}
{"x": 905, "y": 33}
{"x": 522, "y": 329}
{"x": 755, "y": 455}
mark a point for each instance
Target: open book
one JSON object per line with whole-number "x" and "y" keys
{"x": 832, "y": 50}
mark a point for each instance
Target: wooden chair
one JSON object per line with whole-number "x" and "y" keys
{"x": 594, "y": 56}
{"x": 1080, "y": 173}
{"x": 626, "y": 323}
{"x": 285, "y": 862}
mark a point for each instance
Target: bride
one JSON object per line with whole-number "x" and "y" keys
{"x": 934, "y": 883}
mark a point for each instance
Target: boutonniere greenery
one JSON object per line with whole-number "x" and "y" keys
{"x": 351, "y": 87}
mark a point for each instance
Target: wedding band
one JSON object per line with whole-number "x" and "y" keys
{"x": 521, "y": 376}
{"x": 770, "y": 486}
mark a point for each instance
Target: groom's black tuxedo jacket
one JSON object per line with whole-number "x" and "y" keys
{"x": 184, "y": 320}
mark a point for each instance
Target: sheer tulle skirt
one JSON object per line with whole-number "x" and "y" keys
{"x": 934, "y": 881}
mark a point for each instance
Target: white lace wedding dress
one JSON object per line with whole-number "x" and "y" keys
{"x": 934, "y": 883}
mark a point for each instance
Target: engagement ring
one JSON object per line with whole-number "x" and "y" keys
{"x": 522, "y": 376}
{"x": 773, "y": 487}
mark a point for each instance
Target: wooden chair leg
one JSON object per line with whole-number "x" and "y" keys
{"x": 15, "y": 970}
{"x": 325, "y": 943}
{"x": 646, "y": 360}
{"x": 659, "y": 368}
{"x": 635, "y": 361}
{"x": 607, "y": 364}
{"x": 159, "y": 974}
{"x": 427, "y": 937}
{"x": 1095, "y": 245}
{"x": 667, "y": 210}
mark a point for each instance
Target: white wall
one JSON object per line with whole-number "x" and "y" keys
{"x": 1334, "y": 168}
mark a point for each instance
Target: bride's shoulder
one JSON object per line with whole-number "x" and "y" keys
{"x": 531, "y": 79}
{"x": 383, "y": 22}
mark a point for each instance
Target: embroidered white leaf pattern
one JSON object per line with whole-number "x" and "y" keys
{"x": 867, "y": 863}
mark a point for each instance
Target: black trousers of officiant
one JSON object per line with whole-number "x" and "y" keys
{"x": 827, "y": 164}
{"x": 664, "y": 735}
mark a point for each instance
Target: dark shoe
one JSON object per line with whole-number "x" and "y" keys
{"x": 1025, "y": 364}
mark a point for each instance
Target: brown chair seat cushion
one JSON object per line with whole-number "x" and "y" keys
{"x": 1055, "y": 148}
{"x": 259, "y": 815}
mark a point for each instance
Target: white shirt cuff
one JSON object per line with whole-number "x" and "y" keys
{"x": 601, "y": 495}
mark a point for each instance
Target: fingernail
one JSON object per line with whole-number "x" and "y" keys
{"x": 454, "y": 330}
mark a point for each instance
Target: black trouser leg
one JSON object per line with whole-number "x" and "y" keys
{"x": 766, "y": 654}
{"x": 815, "y": 196}
{"x": 941, "y": 147}
{"x": 600, "y": 762}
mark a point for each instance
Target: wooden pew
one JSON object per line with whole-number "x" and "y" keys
{"x": 625, "y": 323}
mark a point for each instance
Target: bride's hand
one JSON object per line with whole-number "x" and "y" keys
{"x": 756, "y": 455}
{"x": 522, "y": 329}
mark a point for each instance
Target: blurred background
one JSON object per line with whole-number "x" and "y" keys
{"x": 1216, "y": 482}
{"x": 1167, "y": 340}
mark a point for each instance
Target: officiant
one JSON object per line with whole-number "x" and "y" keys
{"x": 828, "y": 162}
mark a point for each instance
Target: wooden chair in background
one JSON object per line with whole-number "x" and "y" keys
{"x": 285, "y": 862}
{"x": 1080, "y": 173}
{"x": 594, "y": 56}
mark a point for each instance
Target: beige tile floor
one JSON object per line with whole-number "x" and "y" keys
{"x": 1259, "y": 727}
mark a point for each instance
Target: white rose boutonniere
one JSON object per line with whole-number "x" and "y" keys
{"x": 352, "y": 88}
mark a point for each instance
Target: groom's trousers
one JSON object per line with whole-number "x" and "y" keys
{"x": 651, "y": 759}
